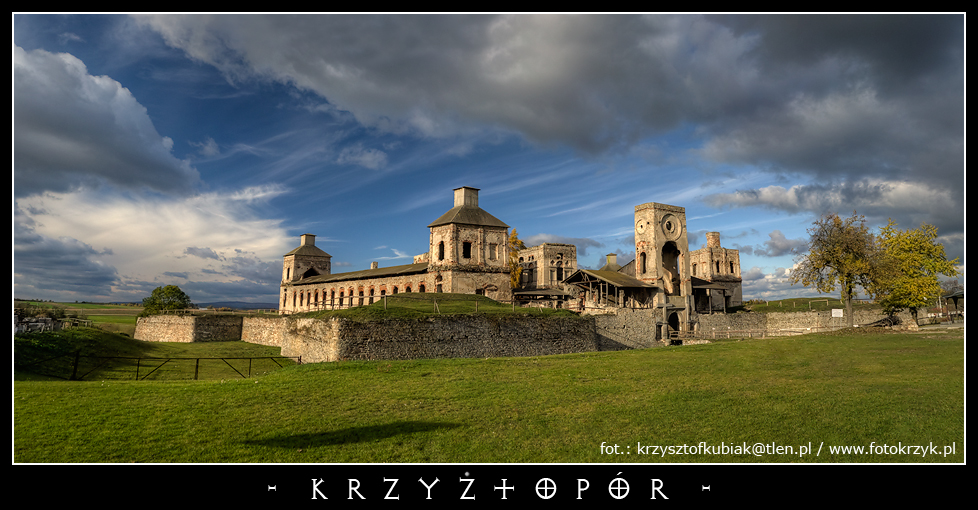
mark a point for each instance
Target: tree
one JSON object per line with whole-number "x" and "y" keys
{"x": 515, "y": 269}
{"x": 842, "y": 254}
{"x": 169, "y": 297}
{"x": 918, "y": 259}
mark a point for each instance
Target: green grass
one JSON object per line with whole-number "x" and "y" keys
{"x": 418, "y": 305}
{"x": 51, "y": 356}
{"x": 835, "y": 390}
{"x": 820, "y": 304}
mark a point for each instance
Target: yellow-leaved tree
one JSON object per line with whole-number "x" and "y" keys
{"x": 915, "y": 258}
{"x": 842, "y": 254}
{"x": 515, "y": 269}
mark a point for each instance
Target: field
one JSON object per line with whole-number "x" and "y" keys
{"x": 826, "y": 392}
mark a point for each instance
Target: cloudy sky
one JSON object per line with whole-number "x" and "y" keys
{"x": 194, "y": 150}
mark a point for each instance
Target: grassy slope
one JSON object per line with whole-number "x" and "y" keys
{"x": 840, "y": 389}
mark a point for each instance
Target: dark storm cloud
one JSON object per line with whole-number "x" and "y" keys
{"x": 779, "y": 245}
{"x": 63, "y": 264}
{"x": 833, "y": 97}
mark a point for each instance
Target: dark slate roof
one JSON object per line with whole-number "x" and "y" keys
{"x": 469, "y": 215}
{"x": 308, "y": 251}
{"x": 380, "y": 272}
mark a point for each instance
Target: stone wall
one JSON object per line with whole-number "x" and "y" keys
{"x": 464, "y": 336}
{"x": 468, "y": 336}
{"x": 449, "y": 336}
{"x": 787, "y": 323}
{"x": 627, "y": 329}
{"x": 188, "y": 328}
{"x": 263, "y": 330}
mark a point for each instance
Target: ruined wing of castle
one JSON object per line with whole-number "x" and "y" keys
{"x": 468, "y": 253}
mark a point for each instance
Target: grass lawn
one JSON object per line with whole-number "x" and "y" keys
{"x": 825, "y": 390}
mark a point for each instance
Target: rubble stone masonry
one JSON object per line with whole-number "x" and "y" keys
{"x": 468, "y": 336}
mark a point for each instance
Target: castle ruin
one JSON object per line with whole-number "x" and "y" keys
{"x": 468, "y": 253}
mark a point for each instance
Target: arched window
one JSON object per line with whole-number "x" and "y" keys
{"x": 421, "y": 288}
{"x": 441, "y": 250}
{"x": 642, "y": 263}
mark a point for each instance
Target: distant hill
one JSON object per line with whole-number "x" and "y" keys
{"x": 239, "y": 305}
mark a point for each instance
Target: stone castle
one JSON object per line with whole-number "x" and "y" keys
{"x": 468, "y": 253}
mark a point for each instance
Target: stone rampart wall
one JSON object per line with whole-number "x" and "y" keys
{"x": 263, "y": 330}
{"x": 449, "y": 336}
{"x": 627, "y": 329}
{"x": 466, "y": 336}
{"x": 460, "y": 336}
{"x": 165, "y": 328}
{"x": 786, "y": 323}
{"x": 188, "y": 328}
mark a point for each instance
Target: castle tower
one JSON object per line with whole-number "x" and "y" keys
{"x": 305, "y": 261}
{"x": 467, "y": 239}
{"x": 662, "y": 260}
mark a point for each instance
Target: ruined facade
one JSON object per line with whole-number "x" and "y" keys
{"x": 716, "y": 270}
{"x": 544, "y": 269}
{"x": 661, "y": 278}
{"x": 467, "y": 253}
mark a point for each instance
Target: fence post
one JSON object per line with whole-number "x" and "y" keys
{"x": 196, "y": 368}
{"x": 74, "y": 368}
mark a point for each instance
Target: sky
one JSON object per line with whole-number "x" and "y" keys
{"x": 194, "y": 150}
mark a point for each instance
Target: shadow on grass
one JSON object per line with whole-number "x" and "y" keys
{"x": 351, "y": 435}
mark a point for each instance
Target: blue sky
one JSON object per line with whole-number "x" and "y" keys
{"x": 194, "y": 150}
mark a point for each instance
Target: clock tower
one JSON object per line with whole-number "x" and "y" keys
{"x": 662, "y": 260}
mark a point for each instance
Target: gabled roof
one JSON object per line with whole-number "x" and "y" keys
{"x": 468, "y": 215}
{"x": 307, "y": 250}
{"x": 613, "y": 277}
{"x": 380, "y": 272}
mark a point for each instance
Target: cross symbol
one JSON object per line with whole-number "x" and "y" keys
{"x": 504, "y": 488}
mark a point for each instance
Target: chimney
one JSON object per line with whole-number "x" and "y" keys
{"x": 467, "y": 196}
{"x": 712, "y": 239}
{"x": 612, "y": 259}
{"x": 307, "y": 240}
{"x": 373, "y": 265}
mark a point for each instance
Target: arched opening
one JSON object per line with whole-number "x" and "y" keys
{"x": 670, "y": 266}
{"x": 641, "y": 263}
{"x": 674, "y": 328}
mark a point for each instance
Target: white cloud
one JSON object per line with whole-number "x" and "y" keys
{"x": 138, "y": 238}
{"x": 73, "y": 129}
{"x": 358, "y": 155}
